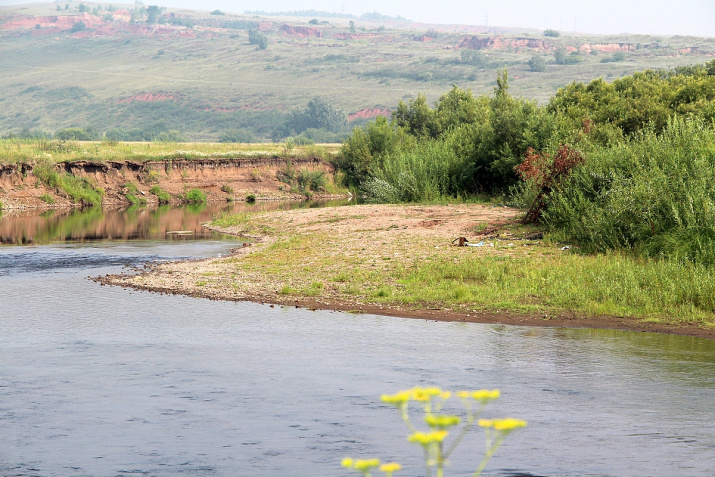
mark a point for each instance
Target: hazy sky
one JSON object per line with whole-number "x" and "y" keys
{"x": 662, "y": 17}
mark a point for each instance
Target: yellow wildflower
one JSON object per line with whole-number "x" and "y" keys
{"x": 347, "y": 462}
{"x": 463, "y": 394}
{"x": 441, "y": 422}
{"x": 390, "y": 467}
{"x": 427, "y": 438}
{"x": 485, "y": 395}
{"x": 425, "y": 394}
{"x": 506, "y": 425}
{"x": 366, "y": 464}
{"x": 397, "y": 399}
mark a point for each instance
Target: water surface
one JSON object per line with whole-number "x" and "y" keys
{"x": 98, "y": 380}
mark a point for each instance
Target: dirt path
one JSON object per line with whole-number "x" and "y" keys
{"x": 355, "y": 245}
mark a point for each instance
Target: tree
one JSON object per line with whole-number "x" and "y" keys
{"x": 352, "y": 26}
{"x": 417, "y": 118}
{"x": 319, "y": 114}
{"x": 257, "y": 38}
{"x": 83, "y": 8}
{"x": 76, "y": 134}
{"x": 537, "y": 64}
{"x": 78, "y": 26}
{"x": 171, "y": 136}
{"x": 471, "y": 57}
{"x": 152, "y": 12}
{"x": 552, "y": 33}
{"x": 217, "y": 12}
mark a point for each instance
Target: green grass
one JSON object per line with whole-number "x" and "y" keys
{"x": 78, "y": 189}
{"x": 611, "y": 284}
{"x": 44, "y": 152}
{"x": 161, "y": 195}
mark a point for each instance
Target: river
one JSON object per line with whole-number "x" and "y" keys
{"x": 98, "y": 380}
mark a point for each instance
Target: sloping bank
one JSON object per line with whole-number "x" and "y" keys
{"x": 122, "y": 183}
{"x": 399, "y": 261}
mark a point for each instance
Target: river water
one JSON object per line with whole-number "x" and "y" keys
{"x": 98, "y": 380}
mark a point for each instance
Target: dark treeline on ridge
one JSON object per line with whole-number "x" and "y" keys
{"x": 622, "y": 165}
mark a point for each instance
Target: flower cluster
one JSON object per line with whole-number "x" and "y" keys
{"x": 365, "y": 466}
{"x": 505, "y": 425}
{"x": 433, "y": 442}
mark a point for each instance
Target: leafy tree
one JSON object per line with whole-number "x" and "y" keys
{"x": 83, "y": 8}
{"x": 76, "y": 134}
{"x": 152, "y": 12}
{"x": 171, "y": 136}
{"x": 318, "y": 114}
{"x": 364, "y": 151}
{"x": 562, "y": 58}
{"x": 352, "y": 26}
{"x": 472, "y": 57}
{"x": 417, "y": 118}
{"x": 217, "y": 12}
{"x": 238, "y": 135}
{"x": 537, "y": 64}
{"x": 615, "y": 57}
{"x": 257, "y": 38}
{"x": 78, "y": 26}
{"x": 552, "y": 33}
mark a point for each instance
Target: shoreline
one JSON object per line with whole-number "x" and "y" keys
{"x": 444, "y": 315}
{"x": 251, "y": 273}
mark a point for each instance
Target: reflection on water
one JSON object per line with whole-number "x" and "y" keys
{"x": 38, "y": 228}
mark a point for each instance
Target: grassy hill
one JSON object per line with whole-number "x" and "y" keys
{"x": 132, "y": 68}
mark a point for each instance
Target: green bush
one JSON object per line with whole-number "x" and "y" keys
{"x": 161, "y": 195}
{"x": 46, "y": 198}
{"x": 652, "y": 195}
{"x": 537, "y": 64}
{"x": 311, "y": 181}
{"x": 195, "y": 196}
{"x": 238, "y": 135}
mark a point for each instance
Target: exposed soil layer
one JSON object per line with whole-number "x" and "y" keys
{"x": 220, "y": 179}
{"x": 389, "y": 231}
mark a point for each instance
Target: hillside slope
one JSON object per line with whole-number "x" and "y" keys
{"x": 152, "y": 71}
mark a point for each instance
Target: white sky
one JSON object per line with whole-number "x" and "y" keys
{"x": 657, "y": 17}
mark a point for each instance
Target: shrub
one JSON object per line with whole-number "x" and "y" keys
{"x": 195, "y": 196}
{"x": 308, "y": 180}
{"x": 78, "y": 26}
{"x": 162, "y": 195}
{"x": 238, "y": 135}
{"x": 46, "y": 198}
{"x": 250, "y": 198}
{"x": 227, "y": 189}
{"x": 551, "y": 33}
{"x": 537, "y": 64}
{"x": 652, "y": 195}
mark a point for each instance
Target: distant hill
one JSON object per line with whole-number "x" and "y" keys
{"x": 142, "y": 70}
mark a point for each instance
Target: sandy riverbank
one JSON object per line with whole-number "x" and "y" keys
{"x": 346, "y": 259}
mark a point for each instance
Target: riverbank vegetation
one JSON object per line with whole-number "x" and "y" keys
{"x": 620, "y": 166}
